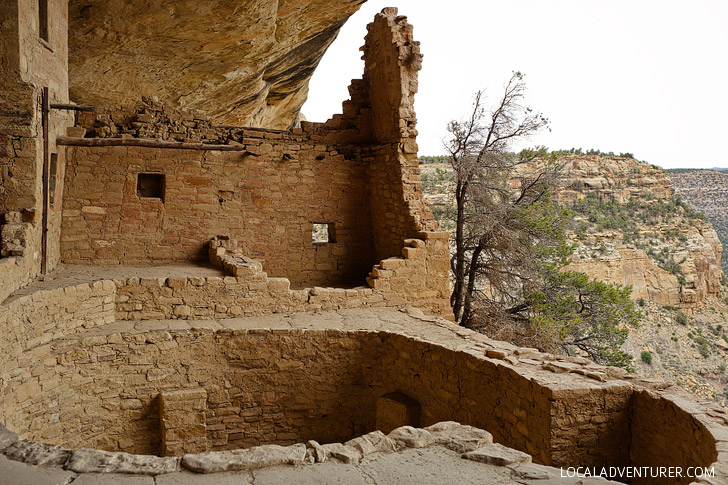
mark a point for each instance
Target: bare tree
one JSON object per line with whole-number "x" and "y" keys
{"x": 511, "y": 279}
{"x": 491, "y": 239}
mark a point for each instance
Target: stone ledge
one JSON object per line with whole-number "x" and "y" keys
{"x": 94, "y": 466}
{"x": 497, "y": 454}
{"x": 97, "y": 461}
{"x": 246, "y": 459}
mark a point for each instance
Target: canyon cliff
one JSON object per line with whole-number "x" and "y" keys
{"x": 632, "y": 231}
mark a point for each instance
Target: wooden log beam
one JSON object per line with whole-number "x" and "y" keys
{"x": 73, "y": 107}
{"x": 142, "y": 142}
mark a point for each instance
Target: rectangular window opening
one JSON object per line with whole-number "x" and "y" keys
{"x": 43, "y": 20}
{"x": 150, "y": 186}
{"x": 323, "y": 233}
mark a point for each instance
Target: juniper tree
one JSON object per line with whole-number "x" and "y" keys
{"x": 510, "y": 244}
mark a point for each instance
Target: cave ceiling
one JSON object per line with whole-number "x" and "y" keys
{"x": 243, "y": 62}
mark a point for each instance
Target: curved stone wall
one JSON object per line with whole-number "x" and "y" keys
{"x": 260, "y": 387}
{"x": 73, "y": 376}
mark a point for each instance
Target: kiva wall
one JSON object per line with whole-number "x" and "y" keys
{"x": 286, "y": 385}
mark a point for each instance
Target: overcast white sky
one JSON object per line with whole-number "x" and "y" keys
{"x": 643, "y": 76}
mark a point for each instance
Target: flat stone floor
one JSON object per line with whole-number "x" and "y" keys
{"x": 425, "y": 466}
{"x": 73, "y": 274}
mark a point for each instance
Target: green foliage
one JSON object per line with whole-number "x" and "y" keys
{"x": 433, "y": 159}
{"x": 646, "y": 357}
{"x": 704, "y": 349}
{"x": 688, "y": 170}
{"x": 584, "y": 315}
{"x": 681, "y": 318}
{"x": 592, "y": 151}
{"x": 641, "y": 302}
{"x": 436, "y": 182}
{"x": 445, "y": 216}
{"x": 599, "y": 214}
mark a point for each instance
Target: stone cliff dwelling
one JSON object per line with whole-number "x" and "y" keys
{"x": 188, "y": 270}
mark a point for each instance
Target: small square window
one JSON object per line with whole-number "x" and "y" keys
{"x": 150, "y": 185}
{"x": 323, "y": 233}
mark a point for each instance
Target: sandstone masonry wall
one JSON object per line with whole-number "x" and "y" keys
{"x": 261, "y": 388}
{"x": 268, "y": 201}
{"x": 289, "y": 380}
{"x": 351, "y": 172}
{"x": 27, "y": 325}
{"x": 416, "y": 279}
{"x": 660, "y": 428}
{"x": 29, "y": 64}
{"x": 392, "y": 59}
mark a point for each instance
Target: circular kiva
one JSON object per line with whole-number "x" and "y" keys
{"x": 76, "y": 377}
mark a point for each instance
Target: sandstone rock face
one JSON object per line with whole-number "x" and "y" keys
{"x": 244, "y": 62}
{"x": 617, "y": 178}
{"x": 627, "y": 265}
{"x": 497, "y": 454}
{"x": 246, "y": 459}
{"x": 692, "y": 244}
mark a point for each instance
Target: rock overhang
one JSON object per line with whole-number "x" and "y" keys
{"x": 243, "y": 62}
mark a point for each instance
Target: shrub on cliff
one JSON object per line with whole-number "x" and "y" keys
{"x": 646, "y": 357}
{"x": 580, "y": 315}
{"x": 681, "y": 318}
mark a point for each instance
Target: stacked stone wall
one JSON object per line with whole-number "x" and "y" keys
{"x": 268, "y": 201}
{"x": 410, "y": 280}
{"x": 661, "y": 427}
{"x": 290, "y": 382}
{"x": 359, "y": 170}
{"x": 19, "y": 238}
{"x": 261, "y": 387}
{"x": 275, "y": 386}
{"x": 457, "y": 385}
{"x": 29, "y": 64}
{"x": 392, "y": 60}
{"x": 591, "y": 425}
{"x": 27, "y": 324}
